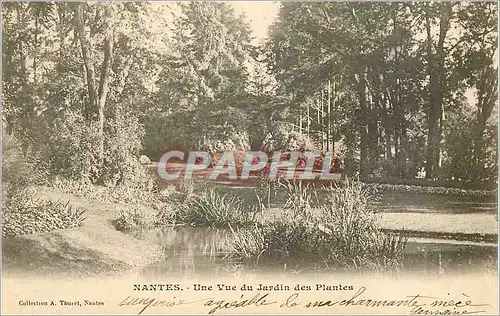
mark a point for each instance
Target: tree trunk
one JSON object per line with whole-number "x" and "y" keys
{"x": 372, "y": 83}
{"x": 328, "y": 130}
{"x": 332, "y": 122}
{"x": 104, "y": 89}
{"x": 97, "y": 99}
{"x": 87, "y": 58}
{"x": 61, "y": 15}
{"x": 22, "y": 55}
{"x": 363, "y": 133}
{"x": 487, "y": 97}
{"x": 35, "y": 42}
{"x": 322, "y": 118}
{"x": 437, "y": 78}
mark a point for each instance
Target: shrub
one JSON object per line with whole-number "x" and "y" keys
{"x": 237, "y": 141}
{"x": 248, "y": 244}
{"x": 388, "y": 251}
{"x": 70, "y": 149}
{"x": 168, "y": 215}
{"x": 133, "y": 220}
{"x": 226, "y": 145}
{"x": 19, "y": 170}
{"x": 281, "y": 240}
{"x": 22, "y": 213}
{"x": 351, "y": 235}
{"x": 163, "y": 132}
{"x": 414, "y": 187}
{"x": 174, "y": 200}
{"x": 185, "y": 188}
{"x": 26, "y": 215}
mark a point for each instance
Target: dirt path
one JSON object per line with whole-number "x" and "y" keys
{"x": 94, "y": 248}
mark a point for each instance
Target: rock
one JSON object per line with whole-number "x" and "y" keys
{"x": 144, "y": 160}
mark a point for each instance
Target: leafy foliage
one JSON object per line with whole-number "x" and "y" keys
{"x": 288, "y": 141}
{"x": 70, "y": 148}
{"x": 19, "y": 172}
{"x": 390, "y": 84}
{"x": 24, "y": 215}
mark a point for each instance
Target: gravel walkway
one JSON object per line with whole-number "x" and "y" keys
{"x": 441, "y": 223}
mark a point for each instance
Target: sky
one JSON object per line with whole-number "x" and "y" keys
{"x": 261, "y": 15}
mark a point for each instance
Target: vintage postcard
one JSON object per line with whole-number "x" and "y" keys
{"x": 249, "y": 157}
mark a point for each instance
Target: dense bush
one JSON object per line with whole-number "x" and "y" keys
{"x": 26, "y": 215}
{"x": 191, "y": 131}
{"x": 70, "y": 149}
{"x": 176, "y": 198}
{"x": 159, "y": 136}
{"x": 122, "y": 178}
{"x": 121, "y": 164}
{"x": 236, "y": 142}
{"x": 19, "y": 170}
{"x": 168, "y": 215}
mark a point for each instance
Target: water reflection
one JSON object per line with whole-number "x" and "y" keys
{"x": 190, "y": 251}
{"x": 450, "y": 258}
{"x": 200, "y": 251}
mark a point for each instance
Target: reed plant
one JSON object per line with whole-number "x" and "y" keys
{"x": 340, "y": 233}
{"x": 211, "y": 207}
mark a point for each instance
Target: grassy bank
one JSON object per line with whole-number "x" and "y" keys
{"x": 94, "y": 248}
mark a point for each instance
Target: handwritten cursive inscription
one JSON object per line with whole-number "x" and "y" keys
{"x": 145, "y": 302}
{"x": 258, "y": 300}
{"x": 417, "y": 304}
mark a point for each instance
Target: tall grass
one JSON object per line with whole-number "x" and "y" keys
{"x": 342, "y": 233}
{"x": 214, "y": 208}
{"x": 350, "y": 235}
{"x": 248, "y": 244}
{"x": 300, "y": 198}
{"x": 134, "y": 219}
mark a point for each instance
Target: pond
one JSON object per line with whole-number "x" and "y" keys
{"x": 200, "y": 251}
